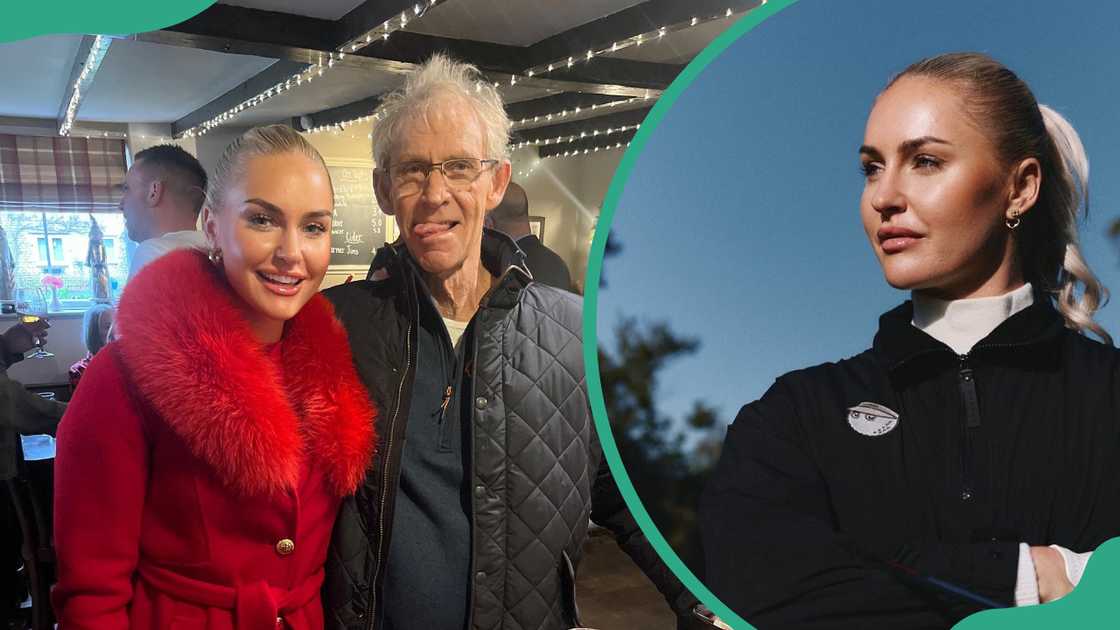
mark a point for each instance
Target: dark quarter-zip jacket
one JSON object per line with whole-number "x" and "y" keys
{"x": 847, "y": 480}
{"x": 429, "y": 552}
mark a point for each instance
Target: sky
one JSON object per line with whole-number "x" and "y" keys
{"x": 739, "y": 222}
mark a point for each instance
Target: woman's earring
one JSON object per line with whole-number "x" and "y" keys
{"x": 1013, "y": 221}
{"x": 215, "y": 256}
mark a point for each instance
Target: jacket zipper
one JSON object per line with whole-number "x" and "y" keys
{"x": 371, "y": 612}
{"x": 966, "y": 382}
{"x": 472, "y": 357}
{"x": 386, "y": 468}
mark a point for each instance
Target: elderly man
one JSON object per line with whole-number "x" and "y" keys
{"x": 487, "y": 468}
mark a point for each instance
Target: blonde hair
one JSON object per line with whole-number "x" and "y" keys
{"x": 1047, "y": 245}
{"x": 257, "y": 142}
{"x": 436, "y": 80}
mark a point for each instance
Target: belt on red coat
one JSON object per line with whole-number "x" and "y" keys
{"x": 254, "y": 605}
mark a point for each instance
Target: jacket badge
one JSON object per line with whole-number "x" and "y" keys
{"x": 868, "y": 418}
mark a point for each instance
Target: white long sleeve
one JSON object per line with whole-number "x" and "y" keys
{"x": 1026, "y": 581}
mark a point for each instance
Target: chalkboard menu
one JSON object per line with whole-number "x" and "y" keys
{"x": 358, "y": 227}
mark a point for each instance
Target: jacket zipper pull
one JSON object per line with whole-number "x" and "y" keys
{"x": 446, "y": 401}
{"x": 967, "y": 384}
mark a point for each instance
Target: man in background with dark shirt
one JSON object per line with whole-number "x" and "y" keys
{"x": 512, "y": 217}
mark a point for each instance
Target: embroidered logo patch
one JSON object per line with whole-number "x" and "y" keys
{"x": 868, "y": 418}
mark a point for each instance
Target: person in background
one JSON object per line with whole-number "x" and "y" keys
{"x": 96, "y": 324}
{"x": 512, "y": 217}
{"x": 21, "y": 413}
{"x": 969, "y": 459}
{"x": 162, "y": 195}
{"x": 488, "y": 468}
{"x": 201, "y": 463}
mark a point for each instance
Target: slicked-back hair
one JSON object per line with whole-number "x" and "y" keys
{"x": 1047, "y": 244}
{"x": 257, "y": 142}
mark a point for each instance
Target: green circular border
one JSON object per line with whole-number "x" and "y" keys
{"x": 23, "y": 19}
{"x": 1087, "y": 607}
{"x": 591, "y": 304}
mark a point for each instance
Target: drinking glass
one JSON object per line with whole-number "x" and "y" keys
{"x": 31, "y": 309}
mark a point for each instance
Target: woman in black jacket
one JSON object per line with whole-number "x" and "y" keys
{"x": 968, "y": 459}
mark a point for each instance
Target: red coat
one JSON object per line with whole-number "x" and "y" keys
{"x": 198, "y": 474}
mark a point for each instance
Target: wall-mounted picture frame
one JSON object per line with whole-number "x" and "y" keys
{"x": 536, "y": 226}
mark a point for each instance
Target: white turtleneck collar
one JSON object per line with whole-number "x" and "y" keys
{"x": 959, "y": 324}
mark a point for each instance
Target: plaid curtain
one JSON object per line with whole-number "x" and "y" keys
{"x": 56, "y": 173}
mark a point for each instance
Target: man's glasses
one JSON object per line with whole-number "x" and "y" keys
{"x": 409, "y": 177}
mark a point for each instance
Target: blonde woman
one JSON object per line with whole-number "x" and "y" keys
{"x": 968, "y": 460}
{"x": 202, "y": 462}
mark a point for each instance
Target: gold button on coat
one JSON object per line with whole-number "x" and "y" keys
{"x": 285, "y": 546}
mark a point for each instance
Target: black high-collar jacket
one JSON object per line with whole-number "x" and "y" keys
{"x": 848, "y": 481}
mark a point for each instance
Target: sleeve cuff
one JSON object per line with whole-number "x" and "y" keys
{"x": 1026, "y": 582}
{"x": 1075, "y": 563}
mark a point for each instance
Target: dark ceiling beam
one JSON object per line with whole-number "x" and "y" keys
{"x": 267, "y": 50}
{"x": 240, "y": 24}
{"x": 270, "y": 76}
{"x": 81, "y": 57}
{"x": 589, "y": 119}
{"x": 416, "y": 48}
{"x": 587, "y": 144}
{"x": 238, "y": 30}
{"x": 340, "y": 114}
{"x": 641, "y": 18}
{"x": 497, "y": 58}
{"x": 585, "y": 113}
{"x": 373, "y": 13}
{"x": 556, "y": 103}
{"x": 655, "y": 76}
{"x": 601, "y": 123}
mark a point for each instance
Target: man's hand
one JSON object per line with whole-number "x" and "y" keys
{"x": 1050, "y": 568}
{"x": 21, "y": 337}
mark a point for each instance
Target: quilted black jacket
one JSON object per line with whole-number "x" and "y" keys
{"x": 536, "y": 471}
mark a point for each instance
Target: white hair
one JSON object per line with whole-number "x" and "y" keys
{"x": 432, "y": 84}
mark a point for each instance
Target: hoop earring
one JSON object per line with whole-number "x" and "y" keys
{"x": 215, "y": 256}
{"x": 1013, "y": 221}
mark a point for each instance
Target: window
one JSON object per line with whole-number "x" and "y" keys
{"x": 49, "y": 185}
{"x": 30, "y": 231}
